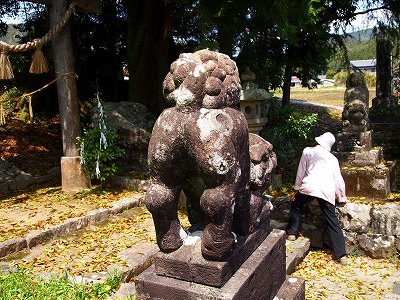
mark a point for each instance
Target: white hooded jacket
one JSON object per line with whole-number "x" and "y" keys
{"x": 318, "y": 175}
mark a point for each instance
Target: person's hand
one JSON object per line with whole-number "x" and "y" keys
{"x": 293, "y": 196}
{"x": 342, "y": 202}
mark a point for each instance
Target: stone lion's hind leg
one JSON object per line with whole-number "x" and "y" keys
{"x": 218, "y": 241}
{"x": 162, "y": 202}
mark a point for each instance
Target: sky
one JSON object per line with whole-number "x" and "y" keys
{"x": 361, "y": 22}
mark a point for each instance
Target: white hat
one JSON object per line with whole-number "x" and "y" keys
{"x": 326, "y": 140}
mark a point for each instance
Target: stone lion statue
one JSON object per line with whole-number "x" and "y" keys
{"x": 204, "y": 135}
{"x": 356, "y": 107}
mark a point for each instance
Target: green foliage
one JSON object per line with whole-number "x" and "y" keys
{"x": 362, "y": 50}
{"x": 11, "y": 102}
{"x": 370, "y": 79}
{"x": 330, "y": 73}
{"x": 355, "y": 252}
{"x": 288, "y": 131}
{"x": 9, "y": 98}
{"x": 100, "y": 161}
{"x": 22, "y": 284}
{"x": 98, "y": 147}
{"x": 10, "y": 37}
{"x": 341, "y": 77}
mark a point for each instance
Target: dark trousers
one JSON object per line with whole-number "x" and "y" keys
{"x": 332, "y": 221}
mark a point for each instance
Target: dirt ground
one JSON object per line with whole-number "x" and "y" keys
{"x": 324, "y": 95}
{"x": 33, "y": 147}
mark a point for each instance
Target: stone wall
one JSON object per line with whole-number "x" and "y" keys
{"x": 372, "y": 230}
{"x": 13, "y": 179}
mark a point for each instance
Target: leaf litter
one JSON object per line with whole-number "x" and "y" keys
{"x": 362, "y": 278}
{"x": 90, "y": 250}
{"x": 42, "y": 208}
{"x": 96, "y": 248}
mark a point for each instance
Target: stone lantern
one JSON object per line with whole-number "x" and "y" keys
{"x": 251, "y": 98}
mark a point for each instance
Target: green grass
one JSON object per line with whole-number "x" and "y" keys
{"x": 324, "y": 95}
{"x": 22, "y": 284}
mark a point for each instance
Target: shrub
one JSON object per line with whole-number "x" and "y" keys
{"x": 98, "y": 148}
{"x": 370, "y": 79}
{"x": 341, "y": 77}
{"x": 329, "y": 74}
{"x": 8, "y": 100}
{"x": 288, "y": 130}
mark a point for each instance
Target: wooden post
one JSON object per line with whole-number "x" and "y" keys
{"x": 74, "y": 176}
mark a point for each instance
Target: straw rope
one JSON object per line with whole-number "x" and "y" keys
{"x": 28, "y": 96}
{"x": 5, "y": 47}
{"x": 39, "y": 63}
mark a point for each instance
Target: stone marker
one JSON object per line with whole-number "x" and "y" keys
{"x": 363, "y": 169}
{"x": 384, "y": 98}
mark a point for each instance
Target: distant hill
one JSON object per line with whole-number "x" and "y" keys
{"x": 361, "y": 45}
{"x": 10, "y": 38}
{"x": 361, "y": 35}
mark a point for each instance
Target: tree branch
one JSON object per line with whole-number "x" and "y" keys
{"x": 370, "y": 10}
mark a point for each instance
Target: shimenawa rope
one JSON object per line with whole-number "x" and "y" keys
{"x": 28, "y": 96}
{"x": 39, "y": 63}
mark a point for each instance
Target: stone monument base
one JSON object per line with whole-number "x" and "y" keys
{"x": 261, "y": 276}
{"x": 363, "y": 168}
{"x": 372, "y": 157}
{"x": 74, "y": 175}
{"x": 349, "y": 141}
{"x": 374, "y": 182}
{"x": 188, "y": 264}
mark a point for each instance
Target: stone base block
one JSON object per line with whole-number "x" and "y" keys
{"x": 294, "y": 288}
{"x": 261, "y": 276}
{"x": 373, "y": 182}
{"x": 360, "y": 158}
{"x": 348, "y": 141}
{"x": 188, "y": 264}
{"x": 74, "y": 176}
{"x": 384, "y": 102}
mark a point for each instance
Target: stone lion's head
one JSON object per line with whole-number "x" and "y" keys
{"x": 203, "y": 79}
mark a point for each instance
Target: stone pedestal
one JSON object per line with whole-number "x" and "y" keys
{"x": 372, "y": 182}
{"x": 363, "y": 168}
{"x": 349, "y": 141}
{"x": 261, "y": 276}
{"x": 74, "y": 176}
{"x": 188, "y": 264}
{"x": 372, "y": 157}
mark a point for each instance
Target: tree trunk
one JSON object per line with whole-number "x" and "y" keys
{"x": 66, "y": 85}
{"x": 73, "y": 176}
{"x": 149, "y": 39}
{"x": 287, "y": 79}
